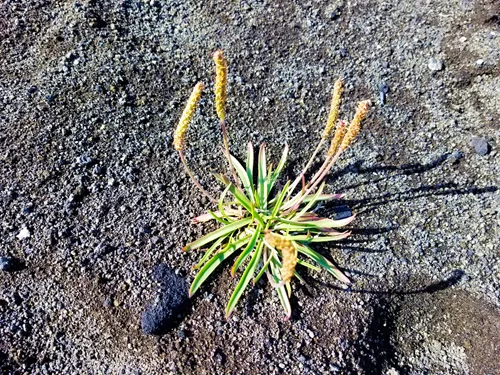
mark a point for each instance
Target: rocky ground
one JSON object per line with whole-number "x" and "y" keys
{"x": 93, "y": 196}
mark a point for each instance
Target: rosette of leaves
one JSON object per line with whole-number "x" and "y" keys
{"x": 268, "y": 226}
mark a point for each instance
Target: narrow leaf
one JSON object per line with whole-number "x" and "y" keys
{"x": 282, "y": 295}
{"x": 249, "y": 164}
{"x": 308, "y": 265}
{"x": 326, "y": 238}
{"x": 323, "y": 197}
{"x": 279, "y": 201}
{"x": 242, "y": 173}
{"x": 311, "y": 203}
{"x": 217, "y": 233}
{"x": 279, "y": 168}
{"x": 262, "y": 270}
{"x": 262, "y": 178}
{"x": 221, "y": 203}
{"x": 247, "y": 251}
{"x": 316, "y": 223}
{"x": 213, "y": 263}
{"x": 321, "y": 260}
{"x": 219, "y": 219}
{"x": 209, "y": 252}
{"x": 245, "y": 279}
{"x": 240, "y": 197}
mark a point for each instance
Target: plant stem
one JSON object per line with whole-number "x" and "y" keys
{"x": 320, "y": 175}
{"x": 325, "y": 172}
{"x": 311, "y": 159}
{"x": 197, "y": 184}
{"x": 228, "y": 155}
{"x": 319, "y": 172}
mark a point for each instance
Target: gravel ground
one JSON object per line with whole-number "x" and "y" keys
{"x": 93, "y": 196}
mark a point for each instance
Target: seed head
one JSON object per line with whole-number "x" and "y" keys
{"x": 354, "y": 126}
{"x": 186, "y": 116}
{"x": 334, "y": 109}
{"x": 288, "y": 253}
{"x": 220, "y": 83}
{"x": 340, "y": 131}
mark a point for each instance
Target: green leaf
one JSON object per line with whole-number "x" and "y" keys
{"x": 211, "y": 250}
{"x": 262, "y": 270}
{"x": 279, "y": 201}
{"x": 242, "y": 173}
{"x": 279, "y": 168}
{"x": 293, "y": 225}
{"x": 249, "y": 164}
{"x": 281, "y": 291}
{"x": 308, "y": 265}
{"x": 247, "y": 250}
{"x": 321, "y": 260}
{"x": 217, "y": 218}
{"x": 245, "y": 279}
{"x": 296, "y": 274}
{"x": 327, "y": 238}
{"x": 217, "y": 233}
{"x": 240, "y": 197}
{"x": 316, "y": 223}
{"x": 262, "y": 178}
{"x": 221, "y": 203}
{"x": 213, "y": 263}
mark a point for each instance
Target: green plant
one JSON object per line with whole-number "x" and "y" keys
{"x": 271, "y": 229}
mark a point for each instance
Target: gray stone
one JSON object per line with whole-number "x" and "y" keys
{"x": 435, "y": 65}
{"x": 480, "y": 145}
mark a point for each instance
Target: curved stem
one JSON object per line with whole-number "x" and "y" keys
{"x": 309, "y": 163}
{"x": 319, "y": 172}
{"x": 228, "y": 155}
{"x": 313, "y": 156}
{"x": 295, "y": 201}
{"x": 197, "y": 184}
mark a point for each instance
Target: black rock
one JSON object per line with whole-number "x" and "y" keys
{"x": 172, "y": 301}
{"x": 480, "y": 145}
{"x": 342, "y": 212}
{"x": 456, "y": 156}
{"x": 97, "y": 170}
{"x": 11, "y": 264}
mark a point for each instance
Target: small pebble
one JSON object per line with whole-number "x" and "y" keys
{"x": 435, "y": 65}
{"x": 480, "y": 145}
{"x": 84, "y": 160}
{"x": 24, "y": 233}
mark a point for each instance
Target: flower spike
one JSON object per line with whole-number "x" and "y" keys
{"x": 334, "y": 109}
{"x": 340, "y": 132}
{"x": 354, "y": 126}
{"x": 187, "y": 115}
{"x": 220, "y": 84}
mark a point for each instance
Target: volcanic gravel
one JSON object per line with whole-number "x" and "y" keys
{"x": 93, "y": 196}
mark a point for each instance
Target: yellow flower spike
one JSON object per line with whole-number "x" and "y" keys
{"x": 334, "y": 109}
{"x": 187, "y": 115}
{"x": 354, "y": 126}
{"x": 288, "y": 253}
{"x": 220, "y": 84}
{"x": 340, "y": 132}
